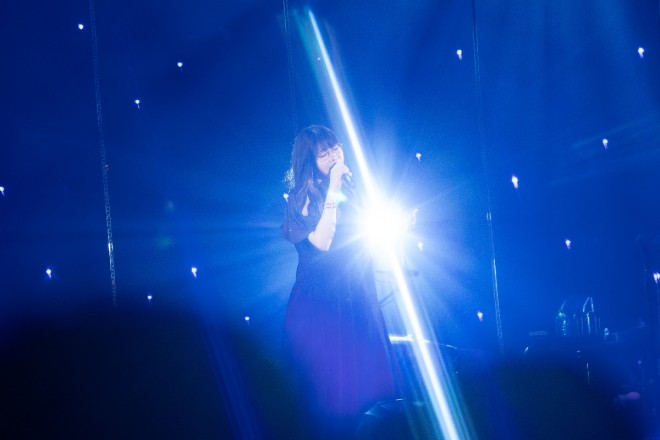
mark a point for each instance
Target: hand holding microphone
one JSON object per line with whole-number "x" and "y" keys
{"x": 340, "y": 173}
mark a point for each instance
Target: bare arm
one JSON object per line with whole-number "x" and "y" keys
{"x": 322, "y": 236}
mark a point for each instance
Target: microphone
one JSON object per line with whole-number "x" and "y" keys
{"x": 348, "y": 181}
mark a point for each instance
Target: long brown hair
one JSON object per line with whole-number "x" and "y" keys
{"x": 304, "y": 178}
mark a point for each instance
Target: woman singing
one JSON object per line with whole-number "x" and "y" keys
{"x": 334, "y": 328}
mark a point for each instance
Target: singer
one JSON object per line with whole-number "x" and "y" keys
{"x": 335, "y": 335}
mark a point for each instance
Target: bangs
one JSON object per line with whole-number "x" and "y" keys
{"x": 325, "y": 144}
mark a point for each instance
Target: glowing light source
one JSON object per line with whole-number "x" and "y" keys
{"x": 515, "y": 181}
{"x": 286, "y": 197}
{"x": 419, "y": 156}
{"x": 49, "y": 273}
{"x": 640, "y": 51}
{"x": 398, "y": 338}
{"x": 480, "y": 316}
{"x": 605, "y": 143}
{"x": 459, "y": 53}
{"x": 247, "y": 320}
{"x": 179, "y": 64}
{"x": 568, "y": 243}
{"x": 656, "y": 277}
{"x": 386, "y": 224}
{"x": 81, "y": 26}
{"x": 137, "y": 102}
{"x": 194, "y": 271}
{"x": 150, "y": 297}
{"x": 443, "y": 405}
{"x": 2, "y": 190}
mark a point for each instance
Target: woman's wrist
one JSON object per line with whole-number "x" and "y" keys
{"x": 333, "y": 196}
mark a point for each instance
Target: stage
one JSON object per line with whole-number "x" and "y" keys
{"x": 143, "y": 186}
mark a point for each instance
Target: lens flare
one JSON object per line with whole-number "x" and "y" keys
{"x": 443, "y": 406}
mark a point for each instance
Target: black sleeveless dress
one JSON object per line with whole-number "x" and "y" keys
{"x": 335, "y": 333}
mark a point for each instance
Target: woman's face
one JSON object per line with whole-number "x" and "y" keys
{"x": 326, "y": 159}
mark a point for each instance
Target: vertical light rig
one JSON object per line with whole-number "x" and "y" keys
{"x": 446, "y": 414}
{"x": 104, "y": 163}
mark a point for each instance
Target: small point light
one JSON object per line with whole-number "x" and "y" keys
{"x": 605, "y": 143}
{"x": 49, "y": 273}
{"x": 137, "y": 102}
{"x": 179, "y": 64}
{"x": 459, "y": 53}
{"x": 568, "y": 243}
{"x": 286, "y": 197}
{"x": 247, "y": 320}
{"x": 81, "y": 26}
{"x": 2, "y": 190}
{"x": 150, "y": 297}
{"x": 515, "y": 181}
{"x": 419, "y": 156}
{"x": 194, "y": 271}
{"x": 480, "y": 315}
{"x": 656, "y": 277}
{"x": 640, "y": 51}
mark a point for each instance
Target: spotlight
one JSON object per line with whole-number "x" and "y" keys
{"x": 514, "y": 180}
{"x": 194, "y": 271}
{"x": 460, "y": 54}
{"x": 640, "y": 51}
{"x": 386, "y": 224}
{"x": 568, "y": 244}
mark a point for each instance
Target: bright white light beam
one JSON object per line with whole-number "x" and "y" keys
{"x": 343, "y": 108}
{"x": 432, "y": 377}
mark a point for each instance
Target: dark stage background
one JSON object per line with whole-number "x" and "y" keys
{"x": 195, "y": 172}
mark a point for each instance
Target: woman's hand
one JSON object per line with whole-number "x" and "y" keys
{"x": 336, "y": 174}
